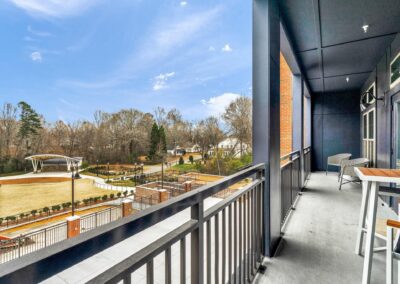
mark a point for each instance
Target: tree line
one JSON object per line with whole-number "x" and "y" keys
{"x": 120, "y": 137}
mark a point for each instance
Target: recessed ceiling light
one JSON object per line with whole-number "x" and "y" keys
{"x": 365, "y": 28}
{"x": 347, "y": 79}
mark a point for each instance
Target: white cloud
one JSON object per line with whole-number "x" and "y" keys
{"x": 226, "y": 48}
{"x": 160, "y": 81}
{"x": 216, "y": 105}
{"x": 183, "y": 3}
{"x": 54, "y": 8}
{"x": 165, "y": 37}
{"x": 211, "y": 48}
{"x": 36, "y": 56}
{"x": 38, "y": 33}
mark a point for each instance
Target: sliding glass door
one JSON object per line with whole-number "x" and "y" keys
{"x": 369, "y": 135}
{"x": 396, "y": 132}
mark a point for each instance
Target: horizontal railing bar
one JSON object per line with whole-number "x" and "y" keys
{"x": 51, "y": 260}
{"x": 297, "y": 152}
{"x": 214, "y": 210}
{"x": 135, "y": 261}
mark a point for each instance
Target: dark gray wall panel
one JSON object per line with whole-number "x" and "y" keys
{"x": 342, "y": 20}
{"x": 317, "y": 141}
{"x": 383, "y": 116}
{"x": 336, "y": 126}
{"x": 355, "y": 57}
{"x": 341, "y": 103}
{"x": 317, "y": 105}
{"x": 339, "y": 83}
{"x": 300, "y": 22}
{"x": 341, "y": 135}
{"x": 316, "y": 85}
{"x": 311, "y": 64}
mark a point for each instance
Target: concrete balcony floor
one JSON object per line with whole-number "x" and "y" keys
{"x": 320, "y": 237}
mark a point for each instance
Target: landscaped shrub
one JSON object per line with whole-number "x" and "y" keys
{"x": 104, "y": 198}
{"x": 191, "y": 159}
{"x": 86, "y": 201}
{"x": 46, "y": 210}
{"x": 10, "y": 218}
{"x": 131, "y": 192}
{"x": 181, "y": 161}
{"x": 22, "y": 215}
{"x": 76, "y": 203}
{"x": 33, "y": 212}
{"x": 56, "y": 208}
{"x": 64, "y": 206}
{"x": 1, "y": 221}
{"x": 119, "y": 194}
{"x": 91, "y": 199}
{"x": 125, "y": 193}
{"x": 112, "y": 195}
{"x": 97, "y": 198}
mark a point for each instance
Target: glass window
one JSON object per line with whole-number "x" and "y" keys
{"x": 371, "y": 129}
{"x": 365, "y": 124}
{"x": 395, "y": 71}
{"x": 398, "y": 136}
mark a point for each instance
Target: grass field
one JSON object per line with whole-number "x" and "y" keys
{"x": 17, "y": 198}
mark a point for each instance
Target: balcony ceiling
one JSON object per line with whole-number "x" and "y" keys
{"x": 330, "y": 43}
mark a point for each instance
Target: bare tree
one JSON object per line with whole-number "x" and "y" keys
{"x": 237, "y": 117}
{"x": 8, "y": 128}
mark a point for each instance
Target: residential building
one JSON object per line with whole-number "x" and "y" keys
{"x": 230, "y": 147}
{"x": 340, "y": 54}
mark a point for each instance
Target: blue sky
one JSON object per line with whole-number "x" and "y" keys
{"x": 70, "y": 58}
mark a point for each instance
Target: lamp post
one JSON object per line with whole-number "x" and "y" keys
{"x": 135, "y": 172}
{"x": 108, "y": 171}
{"x": 73, "y": 189}
{"x": 162, "y": 172}
{"x": 97, "y": 167}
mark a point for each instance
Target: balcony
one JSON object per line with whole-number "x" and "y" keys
{"x": 290, "y": 223}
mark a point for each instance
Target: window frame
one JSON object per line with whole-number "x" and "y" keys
{"x": 397, "y": 81}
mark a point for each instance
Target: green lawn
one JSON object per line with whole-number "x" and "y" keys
{"x": 12, "y": 174}
{"x": 186, "y": 167}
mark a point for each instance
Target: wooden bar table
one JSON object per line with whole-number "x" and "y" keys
{"x": 370, "y": 178}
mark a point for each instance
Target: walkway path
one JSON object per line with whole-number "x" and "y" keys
{"x": 320, "y": 238}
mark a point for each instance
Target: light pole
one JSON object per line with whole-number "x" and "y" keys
{"x": 162, "y": 172}
{"x": 135, "y": 173}
{"x": 73, "y": 189}
{"x": 97, "y": 167}
{"x": 108, "y": 171}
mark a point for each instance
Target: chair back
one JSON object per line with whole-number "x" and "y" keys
{"x": 338, "y": 158}
{"x": 347, "y": 166}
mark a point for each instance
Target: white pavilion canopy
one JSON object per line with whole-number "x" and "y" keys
{"x": 40, "y": 158}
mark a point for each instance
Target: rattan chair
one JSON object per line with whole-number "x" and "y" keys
{"x": 347, "y": 173}
{"x": 336, "y": 161}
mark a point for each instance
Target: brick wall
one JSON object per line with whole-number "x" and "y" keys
{"x": 286, "y": 106}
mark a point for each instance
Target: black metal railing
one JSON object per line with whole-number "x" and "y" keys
{"x": 100, "y": 218}
{"x": 17, "y": 247}
{"x": 230, "y": 232}
{"x": 307, "y": 163}
{"x": 290, "y": 182}
{"x": 226, "y": 240}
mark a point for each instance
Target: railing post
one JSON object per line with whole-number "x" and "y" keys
{"x": 197, "y": 245}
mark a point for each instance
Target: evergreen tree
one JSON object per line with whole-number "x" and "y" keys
{"x": 162, "y": 141}
{"x": 30, "y": 123}
{"x": 154, "y": 139}
{"x": 158, "y": 143}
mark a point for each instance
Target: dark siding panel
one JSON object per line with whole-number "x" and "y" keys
{"x": 336, "y": 126}
{"x": 383, "y": 116}
{"x": 341, "y": 135}
{"x": 317, "y": 142}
